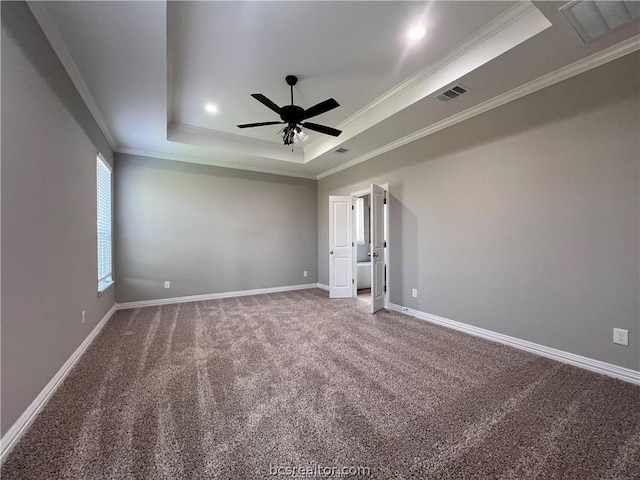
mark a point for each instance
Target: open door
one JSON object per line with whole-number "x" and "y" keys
{"x": 377, "y": 248}
{"x": 340, "y": 247}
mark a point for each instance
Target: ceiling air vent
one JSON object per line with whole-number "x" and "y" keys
{"x": 453, "y": 92}
{"x": 596, "y": 19}
{"x": 341, "y": 150}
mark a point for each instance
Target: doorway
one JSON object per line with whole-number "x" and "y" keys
{"x": 362, "y": 224}
{"x": 370, "y": 232}
{"x": 359, "y": 260}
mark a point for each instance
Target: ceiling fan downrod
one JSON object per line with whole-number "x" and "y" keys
{"x": 291, "y": 81}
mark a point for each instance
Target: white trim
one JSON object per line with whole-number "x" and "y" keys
{"x": 21, "y": 425}
{"x": 366, "y": 191}
{"x": 39, "y": 11}
{"x": 504, "y": 20}
{"x": 607, "y": 55}
{"x": 513, "y": 27}
{"x": 106, "y": 164}
{"x": 322, "y": 286}
{"x": 206, "y": 137}
{"x": 213, "y": 163}
{"x": 626, "y": 374}
{"x": 361, "y": 193}
{"x": 212, "y": 296}
{"x": 104, "y": 287}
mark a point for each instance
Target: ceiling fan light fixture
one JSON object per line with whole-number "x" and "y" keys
{"x": 293, "y": 134}
{"x": 301, "y": 135}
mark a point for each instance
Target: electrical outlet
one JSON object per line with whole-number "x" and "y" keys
{"x": 167, "y": 284}
{"x": 83, "y": 313}
{"x": 304, "y": 274}
{"x": 405, "y": 309}
{"x": 620, "y": 336}
{"x": 414, "y": 292}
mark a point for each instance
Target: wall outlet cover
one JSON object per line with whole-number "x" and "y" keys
{"x": 304, "y": 274}
{"x": 620, "y": 336}
{"x": 414, "y": 292}
{"x": 167, "y": 284}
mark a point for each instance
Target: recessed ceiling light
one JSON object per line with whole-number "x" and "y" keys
{"x": 211, "y": 108}
{"x": 416, "y": 32}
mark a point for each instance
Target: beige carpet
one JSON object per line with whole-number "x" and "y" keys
{"x": 228, "y": 388}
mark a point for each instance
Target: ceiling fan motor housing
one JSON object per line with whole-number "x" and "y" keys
{"x": 291, "y": 114}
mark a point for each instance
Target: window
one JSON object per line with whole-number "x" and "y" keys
{"x": 360, "y": 220}
{"x": 105, "y": 271}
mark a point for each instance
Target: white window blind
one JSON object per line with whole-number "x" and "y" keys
{"x": 360, "y": 220}
{"x": 104, "y": 224}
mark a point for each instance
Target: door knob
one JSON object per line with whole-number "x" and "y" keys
{"x": 368, "y": 254}
{"x": 331, "y": 252}
{"x": 375, "y": 254}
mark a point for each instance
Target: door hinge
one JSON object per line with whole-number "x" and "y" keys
{"x": 385, "y": 201}
{"x": 352, "y": 281}
{"x": 352, "y": 207}
{"x": 353, "y": 244}
{"x": 384, "y": 244}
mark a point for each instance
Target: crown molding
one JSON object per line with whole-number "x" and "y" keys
{"x": 511, "y": 28}
{"x": 190, "y": 134}
{"x": 607, "y": 55}
{"x": 39, "y": 11}
{"x": 487, "y": 31}
{"x": 211, "y": 163}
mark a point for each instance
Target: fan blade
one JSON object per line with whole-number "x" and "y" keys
{"x": 322, "y": 129}
{"x": 261, "y": 124}
{"x": 320, "y": 108}
{"x": 266, "y": 102}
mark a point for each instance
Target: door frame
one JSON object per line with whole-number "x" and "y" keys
{"x": 361, "y": 193}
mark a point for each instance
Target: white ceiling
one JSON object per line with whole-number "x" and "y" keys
{"x": 345, "y": 50}
{"x": 146, "y": 70}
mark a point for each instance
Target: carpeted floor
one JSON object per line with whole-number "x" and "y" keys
{"x": 237, "y": 387}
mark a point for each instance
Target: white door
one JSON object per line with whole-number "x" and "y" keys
{"x": 377, "y": 248}
{"x": 340, "y": 248}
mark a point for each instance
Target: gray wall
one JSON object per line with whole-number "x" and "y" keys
{"x": 209, "y": 229}
{"x": 523, "y": 220}
{"x": 49, "y": 272}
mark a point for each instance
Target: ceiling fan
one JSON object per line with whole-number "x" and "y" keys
{"x": 295, "y": 116}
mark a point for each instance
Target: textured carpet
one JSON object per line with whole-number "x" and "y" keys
{"x": 233, "y": 388}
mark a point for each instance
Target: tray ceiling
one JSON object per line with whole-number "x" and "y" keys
{"x": 147, "y": 69}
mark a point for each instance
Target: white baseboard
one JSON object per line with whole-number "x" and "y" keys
{"x": 212, "y": 296}
{"x": 322, "y": 286}
{"x": 626, "y": 374}
{"x": 21, "y": 425}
